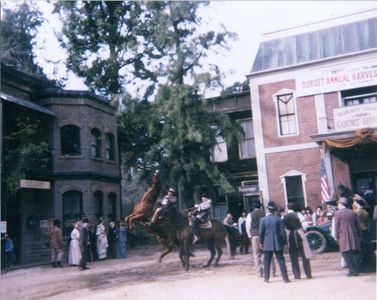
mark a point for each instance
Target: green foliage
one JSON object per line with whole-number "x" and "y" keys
{"x": 26, "y": 147}
{"x": 18, "y": 29}
{"x": 237, "y": 87}
{"x": 106, "y": 43}
{"x": 114, "y": 45}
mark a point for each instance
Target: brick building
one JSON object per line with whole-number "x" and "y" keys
{"x": 314, "y": 95}
{"x": 77, "y": 173}
{"x": 237, "y": 160}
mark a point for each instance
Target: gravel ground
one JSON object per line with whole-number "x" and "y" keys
{"x": 140, "y": 276}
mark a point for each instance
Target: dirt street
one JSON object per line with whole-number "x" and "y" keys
{"x": 140, "y": 276}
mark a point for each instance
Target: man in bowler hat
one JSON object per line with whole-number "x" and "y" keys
{"x": 273, "y": 240}
{"x": 347, "y": 232}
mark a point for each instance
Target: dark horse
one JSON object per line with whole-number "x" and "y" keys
{"x": 174, "y": 228}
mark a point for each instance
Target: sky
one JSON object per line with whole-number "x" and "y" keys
{"x": 249, "y": 19}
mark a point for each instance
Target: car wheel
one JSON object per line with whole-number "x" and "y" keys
{"x": 317, "y": 241}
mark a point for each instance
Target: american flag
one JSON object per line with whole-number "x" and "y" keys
{"x": 325, "y": 189}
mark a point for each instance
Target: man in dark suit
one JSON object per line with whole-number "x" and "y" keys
{"x": 273, "y": 240}
{"x": 297, "y": 244}
{"x": 84, "y": 244}
{"x": 347, "y": 232}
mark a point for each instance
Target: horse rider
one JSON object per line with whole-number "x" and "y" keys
{"x": 200, "y": 214}
{"x": 168, "y": 203}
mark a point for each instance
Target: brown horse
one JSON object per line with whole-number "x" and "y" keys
{"x": 143, "y": 210}
{"x": 175, "y": 229}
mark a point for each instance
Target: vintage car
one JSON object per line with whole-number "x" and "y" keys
{"x": 320, "y": 238}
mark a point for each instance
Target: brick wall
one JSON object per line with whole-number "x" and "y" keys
{"x": 303, "y": 161}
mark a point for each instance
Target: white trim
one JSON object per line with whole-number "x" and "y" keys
{"x": 294, "y": 147}
{"x": 320, "y": 112}
{"x": 285, "y": 91}
{"x": 292, "y": 72}
{"x": 303, "y": 180}
{"x": 259, "y": 141}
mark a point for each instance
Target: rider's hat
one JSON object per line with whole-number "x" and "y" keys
{"x": 171, "y": 190}
{"x": 205, "y": 195}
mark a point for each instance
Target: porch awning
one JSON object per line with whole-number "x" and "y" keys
{"x": 28, "y": 104}
{"x": 346, "y": 139}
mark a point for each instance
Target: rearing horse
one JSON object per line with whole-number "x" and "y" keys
{"x": 143, "y": 210}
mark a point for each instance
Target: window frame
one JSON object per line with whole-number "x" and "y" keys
{"x": 294, "y": 173}
{"x": 109, "y": 146}
{"x": 95, "y": 146}
{"x": 285, "y": 92}
{"x": 244, "y": 139}
{"x": 220, "y": 140}
{"x": 64, "y": 140}
{"x": 77, "y": 216}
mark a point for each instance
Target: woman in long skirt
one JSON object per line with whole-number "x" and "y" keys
{"x": 121, "y": 242}
{"x": 74, "y": 255}
{"x": 102, "y": 243}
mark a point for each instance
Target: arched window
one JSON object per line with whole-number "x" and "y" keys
{"x": 112, "y": 206}
{"x": 98, "y": 204}
{"x": 96, "y": 142}
{"x": 72, "y": 210}
{"x": 110, "y": 147}
{"x": 70, "y": 140}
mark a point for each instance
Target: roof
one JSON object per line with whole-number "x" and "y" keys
{"x": 349, "y": 36}
{"x": 27, "y": 104}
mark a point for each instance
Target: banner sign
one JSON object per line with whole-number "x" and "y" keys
{"x": 35, "y": 184}
{"x": 355, "y": 117}
{"x": 337, "y": 79}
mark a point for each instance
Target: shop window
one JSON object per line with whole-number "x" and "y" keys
{"x": 359, "y": 96}
{"x": 72, "y": 210}
{"x": 219, "y": 152}
{"x": 110, "y": 147}
{"x": 247, "y": 145}
{"x": 112, "y": 206}
{"x": 98, "y": 204}
{"x": 286, "y": 114}
{"x": 96, "y": 143}
{"x": 295, "y": 191}
{"x": 70, "y": 140}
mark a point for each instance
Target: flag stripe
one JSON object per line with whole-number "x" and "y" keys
{"x": 325, "y": 188}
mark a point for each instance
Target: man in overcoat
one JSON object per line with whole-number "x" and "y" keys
{"x": 273, "y": 240}
{"x": 56, "y": 244}
{"x": 298, "y": 245}
{"x": 347, "y": 233}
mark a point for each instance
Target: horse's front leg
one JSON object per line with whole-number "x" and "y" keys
{"x": 128, "y": 221}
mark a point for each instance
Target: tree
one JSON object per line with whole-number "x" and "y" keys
{"x": 111, "y": 44}
{"x": 187, "y": 132}
{"x": 107, "y": 45}
{"x": 18, "y": 29}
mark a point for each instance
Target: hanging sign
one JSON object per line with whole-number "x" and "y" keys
{"x": 337, "y": 78}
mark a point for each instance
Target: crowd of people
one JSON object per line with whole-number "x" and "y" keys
{"x": 88, "y": 243}
{"x": 273, "y": 232}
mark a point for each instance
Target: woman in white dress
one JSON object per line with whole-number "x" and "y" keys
{"x": 74, "y": 255}
{"x": 102, "y": 243}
